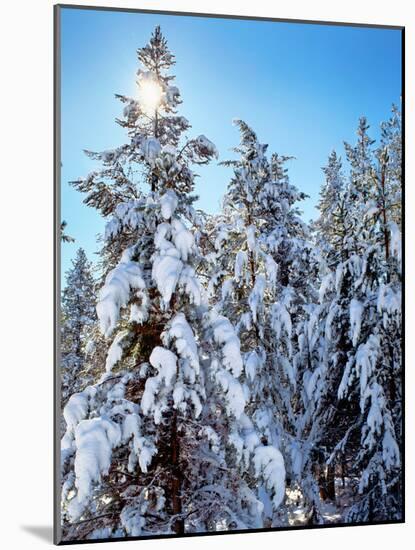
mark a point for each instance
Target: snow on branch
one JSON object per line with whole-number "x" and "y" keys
{"x": 224, "y": 334}
{"x": 169, "y": 269}
{"x": 94, "y": 440}
{"x": 269, "y": 464}
{"x": 116, "y": 293}
{"x": 168, "y": 203}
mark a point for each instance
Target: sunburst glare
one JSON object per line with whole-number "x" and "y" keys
{"x": 150, "y": 93}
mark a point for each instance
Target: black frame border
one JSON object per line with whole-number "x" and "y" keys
{"x": 57, "y": 267}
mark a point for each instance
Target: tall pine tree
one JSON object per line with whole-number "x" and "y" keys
{"x": 147, "y": 448}
{"x": 78, "y": 316}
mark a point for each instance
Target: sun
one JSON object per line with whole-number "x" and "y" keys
{"x": 150, "y": 93}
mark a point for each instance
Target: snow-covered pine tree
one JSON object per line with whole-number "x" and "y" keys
{"x": 291, "y": 348}
{"x": 361, "y": 324}
{"x": 392, "y": 140}
{"x": 360, "y": 187}
{"x": 331, "y": 223}
{"x": 261, "y": 279}
{"x": 327, "y": 340}
{"x": 147, "y": 447}
{"x": 78, "y": 317}
{"x": 374, "y": 371}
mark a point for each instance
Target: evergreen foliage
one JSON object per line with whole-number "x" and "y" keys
{"x": 240, "y": 370}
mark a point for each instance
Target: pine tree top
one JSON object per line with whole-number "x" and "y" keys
{"x": 156, "y": 56}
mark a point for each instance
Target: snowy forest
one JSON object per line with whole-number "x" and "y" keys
{"x": 233, "y": 371}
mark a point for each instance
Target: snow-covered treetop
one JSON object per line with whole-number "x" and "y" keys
{"x": 154, "y": 130}
{"x": 331, "y": 222}
{"x": 360, "y": 158}
{"x": 156, "y": 55}
{"x": 79, "y": 288}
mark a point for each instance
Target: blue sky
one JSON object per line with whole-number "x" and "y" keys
{"x": 301, "y": 87}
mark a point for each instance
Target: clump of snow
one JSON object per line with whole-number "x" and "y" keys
{"x": 339, "y": 276}
{"x": 250, "y": 238}
{"x": 390, "y": 449}
{"x": 271, "y": 268}
{"x": 235, "y": 399}
{"x": 168, "y": 202}
{"x": 205, "y": 148}
{"x": 132, "y": 520}
{"x": 365, "y": 363}
{"x": 389, "y": 300}
{"x": 297, "y": 458}
{"x": 312, "y": 326}
{"x": 256, "y": 296}
{"x": 127, "y": 214}
{"x": 253, "y": 364}
{"x": 281, "y": 319}
{"x": 366, "y": 358}
{"x": 227, "y": 288}
{"x": 326, "y": 284}
{"x": 115, "y": 351}
{"x": 184, "y": 340}
{"x": 172, "y": 95}
{"x": 356, "y": 310}
{"x": 165, "y": 362}
{"x": 167, "y": 267}
{"x": 94, "y": 440}
{"x": 140, "y": 448}
{"x": 182, "y": 238}
{"x": 190, "y": 284}
{"x": 224, "y": 334}
{"x": 238, "y": 444}
{"x": 269, "y": 464}
{"x": 250, "y": 436}
{"x": 151, "y": 149}
{"x": 169, "y": 270}
{"x": 329, "y": 321}
{"x": 139, "y": 309}
{"x": 148, "y": 399}
{"x": 240, "y": 264}
{"x": 374, "y": 418}
{"x": 116, "y": 293}
{"x": 395, "y": 241}
{"x": 312, "y": 382}
{"x": 78, "y": 407}
{"x": 177, "y": 373}
{"x": 157, "y": 387}
{"x": 346, "y": 380}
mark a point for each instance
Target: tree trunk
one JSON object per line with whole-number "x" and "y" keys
{"x": 330, "y": 485}
{"x": 322, "y": 477}
{"x": 176, "y": 482}
{"x": 343, "y": 474}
